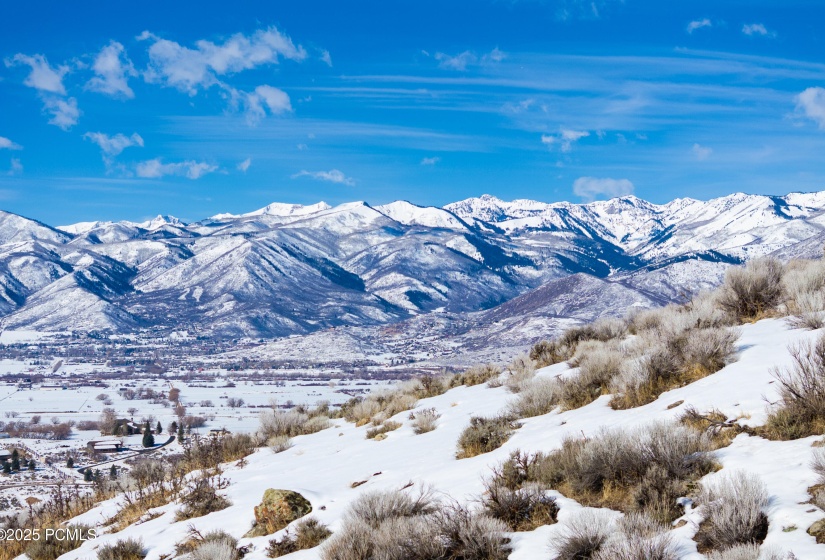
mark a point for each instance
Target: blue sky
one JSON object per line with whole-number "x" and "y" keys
{"x": 196, "y": 108}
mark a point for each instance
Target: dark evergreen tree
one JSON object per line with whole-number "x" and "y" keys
{"x": 87, "y": 475}
{"x": 159, "y": 428}
{"x": 180, "y": 433}
{"x": 15, "y": 461}
{"x": 148, "y": 438}
{"x": 32, "y": 465}
{"x": 6, "y": 467}
{"x": 70, "y": 462}
{"x": 113, "y": 472}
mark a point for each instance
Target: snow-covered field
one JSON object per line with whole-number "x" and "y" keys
{"x": 322, "y": 466}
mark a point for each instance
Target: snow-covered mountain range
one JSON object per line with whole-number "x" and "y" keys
{"x": 292, "y": 269}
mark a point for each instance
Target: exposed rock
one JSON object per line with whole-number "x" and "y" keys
{"x": 277, "y": 509}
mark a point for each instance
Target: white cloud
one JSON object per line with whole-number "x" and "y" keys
{"x": 257, "y": 103}
{"x": 701, "y": 152}
{"x": 565, "y": 138}
{"x": 64, "y": 112}
{"x": 155, "y": 168}
{"x": 462, "y": 60}
{"x": 698, "y": 24}
{"x": 589, "y": 188}
{"x": 42, "y": 76}
{"x": 244, "y": 165}
{"x": 189, "y": 70}
{"x": 326, "y": 58}
{"x": 457, "y": 62}
{"x": 6, "y": 144}
{"x": 430, "y": 160}
{"x": 811, "y": 103}
{"x": 333, "y": 176}
{"x": 111, "y": 146}
{"x": 16, "y": 167}
{"x": 112, "y": 69}
{"x": 752, "y": 29}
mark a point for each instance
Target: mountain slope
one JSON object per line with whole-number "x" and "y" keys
{"x": 296, "y": 269}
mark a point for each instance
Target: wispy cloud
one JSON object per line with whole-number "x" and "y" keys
{"x": 564, "y": 139}
{"x": 430, "y": 160}
{"x": 15, "y": 167}
{"x": 333, "y": 176}
{"x": 155, "y": 169}
{"x": 326, "y": 58}
{"x": 752, "y": 29}
{"x": 42, "y": 77}
{"x": 112, "y": 69}
{"x": 193, "y": 69}
{"x": 590, "y": 188}
{"x": 6, "y": 144}
{"x": 701, "y": 152}
{"x": 698, "y": 24}
{"x": 64, "y": 112}
{"x": 462, "y": 60}
{"x": 264, "y": 98}
{"x": 244, "y": 165}
{"x": 811, "y": 104}
{"x": 112, "y": 146}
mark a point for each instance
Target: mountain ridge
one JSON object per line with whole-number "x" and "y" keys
{"x": 289, "y": 269}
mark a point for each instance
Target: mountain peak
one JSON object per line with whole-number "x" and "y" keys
{"x": 161, "y": 220}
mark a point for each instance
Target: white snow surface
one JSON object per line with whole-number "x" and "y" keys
{"x": 322, "y": 466}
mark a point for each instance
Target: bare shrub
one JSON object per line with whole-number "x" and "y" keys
{"x": 476, "y": 375}
{"x": 582, "y": 535}
{"x": 801, "y": 410}
{"x": 734, "y": 507}
{"x": 470, "y": 536}
{"x": 385, "y": 427}
{"x": 522, "y": 509}
{"x": 538, "y": 396}
{"x": 203, "y": 498}
{"x": 425, "y": 420}
{"x": 214, "y": 545}
{"x": 754, "y": 291}
{"x": 484, "y": 435}
{"x": 289, "y": 423}
{"x": 354, "y": 541}
{"x": 673, "y": 355}
{"x": 127, "y": 549}
{"x": 447, "y": 532}
{"x": 646, "y": 469}
{"x": 598, "y": 364}
{"x": 388, "y": 403}
{"x": 548, "y": 352}
{"x": 215, "y": 550}
{"x": 520, "y": 371}
{"x": 308, "y": 533}
{"x": 58, "y": 542}
{"x": 375, "y": 507}
{"x": 638, "y": 537}
{"x": 804, "y": 288}
{"x": 279, "y": 444}
{"x": 748, "y": 552}
{"x": 519, "y": 468}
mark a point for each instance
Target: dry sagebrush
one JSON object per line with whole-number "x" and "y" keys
{"x": 734, "y": 509}
{"x": 801, "y": 407}
{"x": 393, "y": 525}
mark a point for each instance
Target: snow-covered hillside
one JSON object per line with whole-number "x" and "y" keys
{"x": 292, "y": 269}
{"x": 323, "y": 466}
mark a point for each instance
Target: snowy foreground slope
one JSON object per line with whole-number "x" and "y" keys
{"x": 322, "y": 466}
